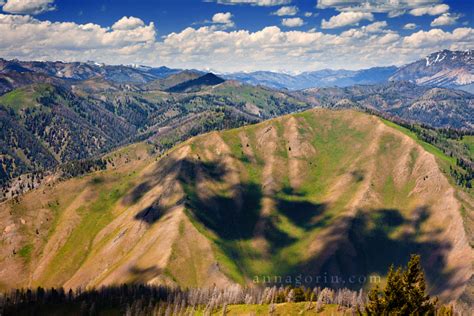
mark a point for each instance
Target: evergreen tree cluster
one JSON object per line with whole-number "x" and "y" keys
{"x": 80, "y": 167}
{"x": 404, "y": 293}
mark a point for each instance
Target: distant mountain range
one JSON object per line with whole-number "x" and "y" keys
{"x": 320, "y": 78}
{"x": 86, "y": 70}
{"x": 450, "y": 69}
{"x": 15, "y": 73}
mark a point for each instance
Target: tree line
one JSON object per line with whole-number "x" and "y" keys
{"x": 134, "y": 299}
{"x": 403, "y": 294}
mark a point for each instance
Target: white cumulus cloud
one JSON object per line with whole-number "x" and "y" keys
{"x": 32, "y": 7}
{"x": 271, "y": 47}
{"x": 345, "y": 19}
{"x": 445, "y": 19}
{"x": 393, "y": 8}
{"x": 292, "y": 22}
{"x": 25, "y": 37}
{"x": 369, "y": 31}
{"x": 223, "y": 20}
{"x": 410, "y": 26}
{"x": 439, "y": 38}
{"x": 431, "y": 10}
{"x": 286, "y": 11}
{"x": 395, "y": 13}
{"x": 128, "y": 23}
{"x": 388, "y": 38}
{"x": 261, "y": 3}
{"x": 376, "y": 27}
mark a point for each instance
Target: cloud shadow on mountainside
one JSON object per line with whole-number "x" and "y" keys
{"x": 235, "y": 214}
{"x": 151, "y": 214}
{"x": 137, "y": 193}
{"x": 187, "y": 174}
{"x": 143, "y": 275}
{"x": 303, "y": 213}
{"x": 232, "y": 214}
{"x": 370, "y": 242}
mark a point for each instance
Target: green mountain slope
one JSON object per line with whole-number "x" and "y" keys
{"x": 336, "y": 193}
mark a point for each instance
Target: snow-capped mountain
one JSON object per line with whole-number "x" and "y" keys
{"x": 454, "y": 69}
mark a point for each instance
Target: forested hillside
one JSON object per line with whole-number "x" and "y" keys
{"x": 435, "y": 107}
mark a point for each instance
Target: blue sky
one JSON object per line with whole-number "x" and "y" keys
{"x": 175, "y": 15}
{"x": 235, "y": 35}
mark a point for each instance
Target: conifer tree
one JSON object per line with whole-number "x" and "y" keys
{"x": 404, "y": 293}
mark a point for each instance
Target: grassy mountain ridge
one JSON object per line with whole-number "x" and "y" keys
{"x": 335, "y": 192}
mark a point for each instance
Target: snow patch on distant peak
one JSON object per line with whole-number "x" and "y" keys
{"x": 427, "y": 61}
